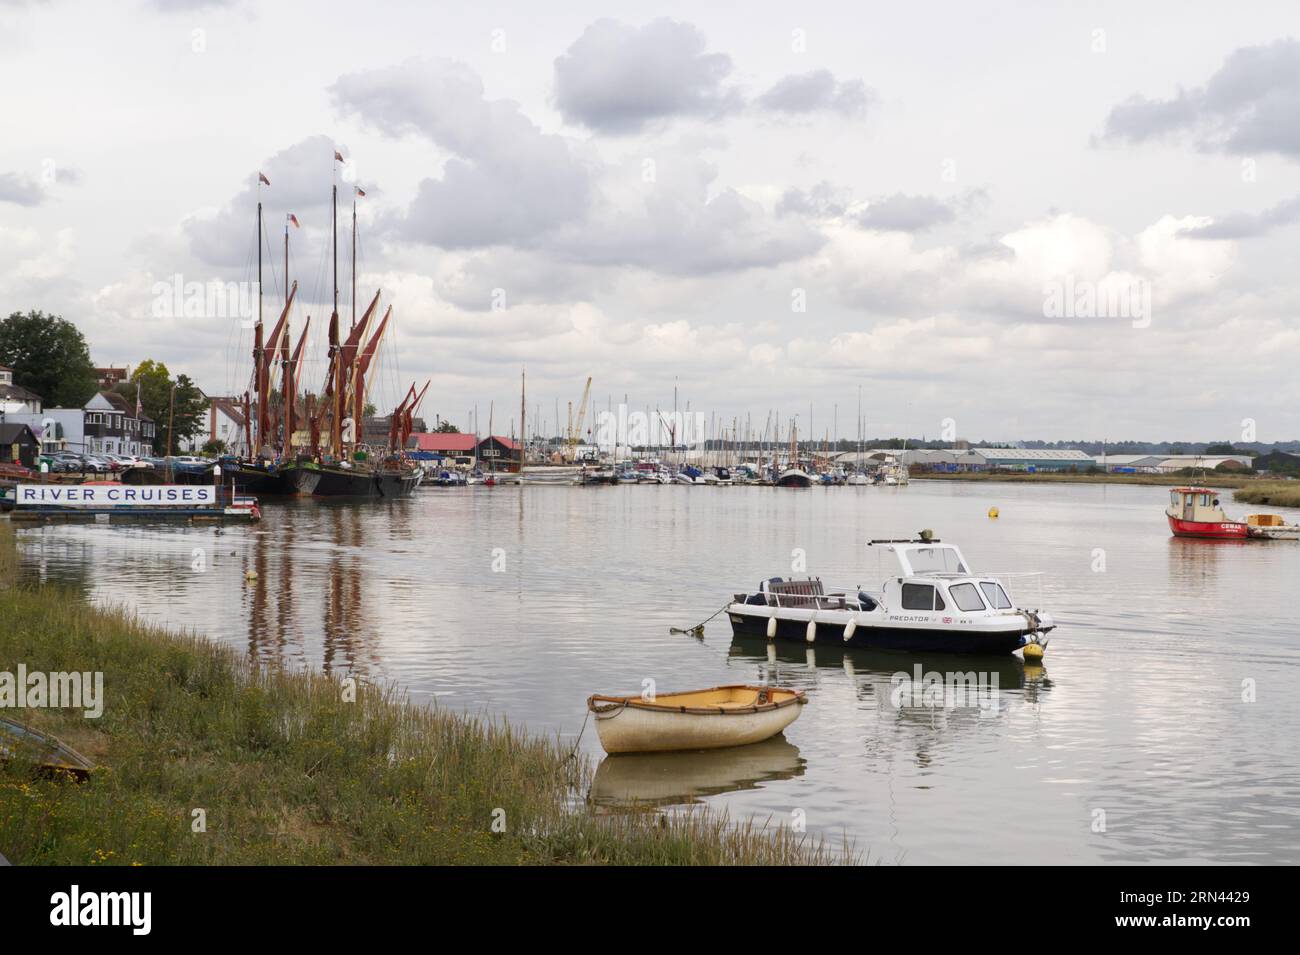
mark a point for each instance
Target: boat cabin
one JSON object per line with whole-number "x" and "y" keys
{"x": 1196, "y": 505}
{"x": 937, "y": 578}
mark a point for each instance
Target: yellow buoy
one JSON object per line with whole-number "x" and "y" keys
{"x": 812, "y": 630}
{"x": 1033, "y": 651}
{"x": 771, "y": 628}
{"x": 849, "y": 627}
{"x": 993, "y": 512}
{"x": 250, "y": 575}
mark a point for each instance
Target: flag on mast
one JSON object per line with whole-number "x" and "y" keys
{"x": 261, "y": 177}
{"x": 294, "y": 219}
{"x": 360, "y": 191}
{"x": 338, "y": 157}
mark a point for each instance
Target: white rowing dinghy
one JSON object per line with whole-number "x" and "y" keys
{"x": 699, "y": 719}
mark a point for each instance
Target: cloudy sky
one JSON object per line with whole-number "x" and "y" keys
{"x": 767, "y": 205}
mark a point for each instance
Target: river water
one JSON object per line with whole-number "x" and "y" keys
{"x": 1163, "y": 727}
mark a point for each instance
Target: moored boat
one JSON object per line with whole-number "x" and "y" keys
{"x": 934, "y": 603}
{"x": 1196, "y": 512}
{"x": 794, "y": 477}
{"x": 699, "y": 719}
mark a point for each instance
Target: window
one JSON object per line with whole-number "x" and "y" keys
{"x": 921, "y": 597}
{"x": 966, "y": 597}
{"x": 997, "y": 597}
{"x": 935, "y": 560}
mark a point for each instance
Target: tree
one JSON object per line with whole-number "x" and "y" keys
{"x": 187, "y": 411}
{"x": 446, "y": 427}
{"x": 1224, "y": 448}
{"x": 214, "y": 447}
{"x": 48, "y": 355}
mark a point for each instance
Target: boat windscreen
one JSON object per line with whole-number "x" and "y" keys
{"x": 936, "y": 560}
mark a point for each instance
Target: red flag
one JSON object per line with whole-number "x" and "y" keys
{"x": 294, "y": 219}
{"x": 262, "y": 178}
{"x": 360, "y": 191}
{"x": 338, "y": 157}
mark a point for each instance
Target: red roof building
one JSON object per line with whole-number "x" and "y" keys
{"x": 440, "y": 442}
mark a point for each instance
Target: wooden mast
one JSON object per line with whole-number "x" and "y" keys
{"x": 523, "y": 435}
{"x": 336, "y": 434}
{"x": 257, "y": 334}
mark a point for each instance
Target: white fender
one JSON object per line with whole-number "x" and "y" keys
{"x": 812, "y": 629}
{"x": 771, "y": 628}
{"x": 849, "y": 627}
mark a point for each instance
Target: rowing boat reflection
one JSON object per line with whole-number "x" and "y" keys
{"x": 639, "y": 781}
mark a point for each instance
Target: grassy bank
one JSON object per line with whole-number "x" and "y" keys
{"x": 289, "y": 772}
{"x": 1276, "y": 493}
{"x": 1209, "y": 479}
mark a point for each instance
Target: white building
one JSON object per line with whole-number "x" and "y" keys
{"x": 225, "y": 424}
{"x": 15, "y": 399}
{"x": 1025, "y": 459}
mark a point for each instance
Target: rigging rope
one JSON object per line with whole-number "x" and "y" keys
{"x": 697, "y": 631}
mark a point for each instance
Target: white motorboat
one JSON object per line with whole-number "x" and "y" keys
{"x": 935, "y": 602}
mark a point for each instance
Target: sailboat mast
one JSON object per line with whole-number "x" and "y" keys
{"x": 257, "y": 335}
{"x": 523, "y": 435}
{"x": 336, "y": 429}
{"x": 354, "y": 259}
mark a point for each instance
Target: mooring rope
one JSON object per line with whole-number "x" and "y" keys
{"x": 698, "y": 630}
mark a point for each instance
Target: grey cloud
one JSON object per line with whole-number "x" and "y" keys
{"x": 904, "y": 213}
{"x": 20, "y": 190}
{"x": 617, "y": 77}
{"x": 817, "y": 91}
{"x": 683, "y": 233}
{"x": 300, "y": 177}
{"x": 898, "y": 212}
{"x": 1249, "y": 225}
{"x": 1250, "y": 105}
{"x": 507, "y": 181}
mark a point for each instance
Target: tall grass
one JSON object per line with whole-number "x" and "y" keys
{"x": 287, "y": 770}
{"x": 1276, "y": 493}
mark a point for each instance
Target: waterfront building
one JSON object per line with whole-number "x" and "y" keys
{"x": 15, "y": 399}
{"x": 1024, "y": 459}
{"x": 18, "y": 444}
{"x": 111, "y": 424}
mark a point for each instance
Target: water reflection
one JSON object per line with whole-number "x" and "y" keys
{"x": 1139, "y": 709}
{"x": 631, "y": 781}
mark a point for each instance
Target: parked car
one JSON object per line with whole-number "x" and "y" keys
{"x": 94, "y": 464}
{"x": 61, "y": 462}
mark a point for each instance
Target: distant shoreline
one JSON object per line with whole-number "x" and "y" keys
{"x": 1209, "y": 479}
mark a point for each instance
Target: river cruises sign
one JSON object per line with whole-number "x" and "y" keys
{"x": 116, "y": 495}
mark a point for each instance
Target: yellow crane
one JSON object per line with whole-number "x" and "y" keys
{"x": 575, "y": 432}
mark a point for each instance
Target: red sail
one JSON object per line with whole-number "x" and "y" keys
{"x": 363, "y": 365}
{"x": 295, "y": 370}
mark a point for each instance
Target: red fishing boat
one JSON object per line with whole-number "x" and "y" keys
{"x": 1195, "y": 512}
